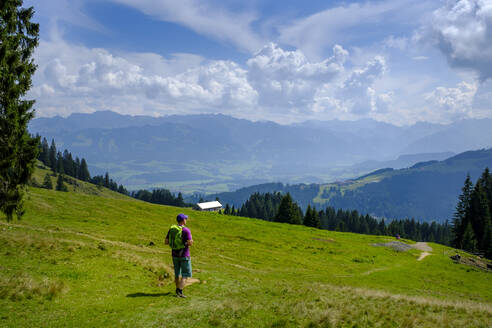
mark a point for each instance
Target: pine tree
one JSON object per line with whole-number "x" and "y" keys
{"x": 45, "y": 153}
{"x": 59, "y": 163}
{"x": 311, "y": 218}
{"x": 460, "y": 215}
{"x": 288, "y": 211}
{"x": 308, "y": 217}
{"x": 84, "y": 171}
{"x": 469, "y": 241}
{"x": 18, "y": 150}
{"x": 60, "y": 186}
{"x": 52, "y": 155}
{"x": 479, "y": 212}
{"x": 47, "y": 184}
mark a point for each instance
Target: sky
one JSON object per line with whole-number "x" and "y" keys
{"x": 397, "y": 61}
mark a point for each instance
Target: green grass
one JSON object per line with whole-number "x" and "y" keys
{"x": 78, "y": 259}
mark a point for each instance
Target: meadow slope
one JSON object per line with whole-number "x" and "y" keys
{"x": 86, "y": 260}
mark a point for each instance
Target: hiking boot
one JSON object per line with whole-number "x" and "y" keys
{"x": 181, "y": 295}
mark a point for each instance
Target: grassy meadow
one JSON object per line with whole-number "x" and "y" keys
{"x": 89, "y": 260}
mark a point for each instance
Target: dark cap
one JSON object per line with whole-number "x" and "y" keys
{"x": 181, "y": 217}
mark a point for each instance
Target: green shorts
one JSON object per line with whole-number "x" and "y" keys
{"x": 182, "y": 267}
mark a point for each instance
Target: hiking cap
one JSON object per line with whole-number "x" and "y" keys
{"x": 181, "y": 217}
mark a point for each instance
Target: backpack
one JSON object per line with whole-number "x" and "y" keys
{"x": 176, "y": 237}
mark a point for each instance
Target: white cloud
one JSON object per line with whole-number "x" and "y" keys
{"x": 286, "y": 79}
{"x": 203, "y": 18}
{"x": 356, "y": 96}
{"x": 78, "y": 79}
{"x": 275, "y": 84}
{"x": 463, "y": 32}
{"x": 453, "y": 103}
{"x": 348, "y": 23}
{"x": 357, "y": 92}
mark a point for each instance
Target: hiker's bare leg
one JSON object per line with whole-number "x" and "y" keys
{"x": 182, "y": 283}
{"x": 177, "y": 282}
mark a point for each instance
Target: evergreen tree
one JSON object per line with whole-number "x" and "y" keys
{"x": 469, "y": 241}
{"x": 84, "y": 171}
{"x": 60, "y": 186}
{"x": 52, "y": 155}
{"x": 460, "y": 215}
{"x": 45, "y": 153}
{"x": 59, "y": 163}
{"x": 311, "y": 218}
{"x": 18, "y": 150}
{"x": 479, "y": 212}
{"x": 47, "y": 184}
{"x": 106, "y": 180}
{"x": 288, "y": 211}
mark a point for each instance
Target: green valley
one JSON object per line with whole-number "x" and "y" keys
{"x": 100, "y": 260}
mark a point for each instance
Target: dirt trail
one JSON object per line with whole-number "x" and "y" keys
{"x": 426, "y": 250}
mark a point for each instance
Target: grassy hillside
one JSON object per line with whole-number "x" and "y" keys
{"x": 73, "y": 185}
{"x": 84, "y": 260}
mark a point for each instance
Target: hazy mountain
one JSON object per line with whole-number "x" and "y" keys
{"x": 427, "y": 191}
{"x": 210, "y": 153}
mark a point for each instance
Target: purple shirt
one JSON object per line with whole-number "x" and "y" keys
{"x": 185, "y": 235}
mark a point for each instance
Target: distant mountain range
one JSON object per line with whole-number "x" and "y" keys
{"x": 213, "y": 153}
{"x": 426, "y": 191}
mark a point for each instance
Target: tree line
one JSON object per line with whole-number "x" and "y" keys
{"x": 279, "y": 207}
{"x": 472, "y": 225}
{"x": 63, "y": 163}
{"x": 160, "y": 196}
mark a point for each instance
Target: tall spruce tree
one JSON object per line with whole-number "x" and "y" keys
{"x": 469, "y": 242}
{"x": 47, "y": 184}
{"x": 52, "y": 155}
{"x": 84, "y": 174}
{"x": 288, "y": 211}
{"x": 460, "y": 216}
{"x": 60, "y": 186}
{"x": 18, "y": 150}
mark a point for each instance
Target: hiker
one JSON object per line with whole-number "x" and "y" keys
{"x": 179, "y": 238}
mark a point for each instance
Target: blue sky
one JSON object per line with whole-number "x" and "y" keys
{"x": 398, "y": 61}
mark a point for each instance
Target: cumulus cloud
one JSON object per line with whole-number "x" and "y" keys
{"x": 356, "y": 95}
{"x": 74, "y": 78}
{"x": 453, "y": 103}
{"x": 286, "y": 78}
{"x": 463, "y": 32}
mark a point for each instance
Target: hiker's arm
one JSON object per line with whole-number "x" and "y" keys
{"x": 189, "y": 242}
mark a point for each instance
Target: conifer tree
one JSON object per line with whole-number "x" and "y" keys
{"x": 84, "y": 171}
{"x": 52, "y": 155}
{"x": 45, "y": 153}
{"x": 47, "y": 184}
{"x": 311, "y": 218}
{"x": 288, "y": 211}
{"x": 469, "y": 242}
{"x": 460, "y": 216}
{"x": 60, "y": 186}
{"x": 479, "y": 212}
{"x": 18, "y": 150}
